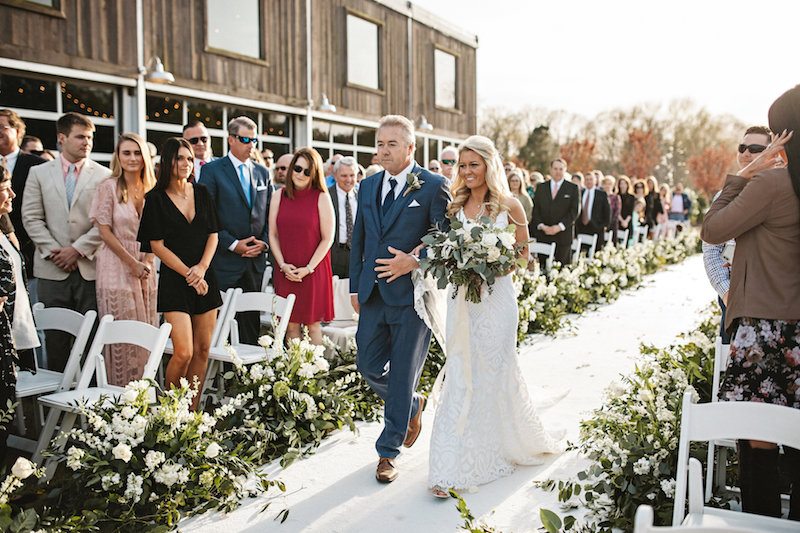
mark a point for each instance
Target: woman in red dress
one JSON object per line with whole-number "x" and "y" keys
{"x": 301, "y": 227}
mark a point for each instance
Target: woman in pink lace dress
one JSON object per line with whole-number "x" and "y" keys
{"x": 126, "y": 280}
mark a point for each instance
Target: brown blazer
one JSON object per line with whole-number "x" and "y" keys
{"x": 763, "y": 215}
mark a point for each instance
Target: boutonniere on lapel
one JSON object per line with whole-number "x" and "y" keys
{"x": 413, "y": 183}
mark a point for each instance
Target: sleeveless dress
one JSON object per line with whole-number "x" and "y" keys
{"x": 119, "y": 292}
{"x": 299, "y": 235}
{"x": 162, "y": 220}
{"x": 501, "y": 428}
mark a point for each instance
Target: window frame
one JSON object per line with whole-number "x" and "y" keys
{"x": 457, "y": 58}
{"x": 56, "y": 11}
{"x": 381, "y": 60}
{"x": 230, "y": 53}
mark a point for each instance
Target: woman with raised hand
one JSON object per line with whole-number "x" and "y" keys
{"x": 760, "y": 208}
{"x": 179, "y": 224}
{"x": 126, "y": 280}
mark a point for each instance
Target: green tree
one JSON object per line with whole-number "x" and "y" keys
{"x": 539, "y": 150}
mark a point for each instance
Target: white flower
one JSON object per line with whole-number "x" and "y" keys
{"x": 645, "y": 395}
{"x": 122, "y": 451}
{"x": 489, "y": 240}
{"x": 110, "y": 480}
{"x": 265, "y": 341}
{"x": 321, "y": 363}
{"x": 508, "y": 239}
{"x": 207, "y": 478}
{"x": 74, "y": 456}
{"x": 134, "y": 488}
{"x": 128, "y": 411}
{"x": 169, "y": 474}
{"x": 22, "y": 468}
{"x": 153, "y": 459}
{"x": 745, "y": 336}
{"x": 212, "y": 450}
{"x": 641, "y": 467}
{"x": 493, "y": 255}
{"x": 668, "y": 486}
{"x": 307, "y": 370}
{"x": 130, "y": 395}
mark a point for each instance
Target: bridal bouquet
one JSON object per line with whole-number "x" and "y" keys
{"x": 471, "y": 253}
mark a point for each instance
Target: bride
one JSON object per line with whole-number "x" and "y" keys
{"x": 485, "y": 422}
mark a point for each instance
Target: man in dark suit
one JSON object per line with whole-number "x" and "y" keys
{"x": 345, "y": 207}
{"x": 241, "y": 189}
{"x": 595, "y": 210}
{"x": 396, "y": 208}
{"x": 196, "y": 133}
{"x": 555, "y": 208}
{"x": 12, "y": 129}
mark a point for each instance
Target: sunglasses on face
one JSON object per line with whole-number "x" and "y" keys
{"x": 281, "y": 168}
{"x": 298, "y": 169}
{"x": 195, "y": 140}
{"x": 246, "y": 140}
{"x": 448, "y": 161}
{"x": 753, "y": 148}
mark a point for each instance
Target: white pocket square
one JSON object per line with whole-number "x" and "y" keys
{"x": 566, "y": 196}
{"x": 262, "y": 187}
{"x": 413, "y": 203}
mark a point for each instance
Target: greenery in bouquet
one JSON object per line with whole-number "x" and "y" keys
{"x": 632, "y": 440}
{"x": 471, "y": 253}
{"x": 292, "y": 400}
{"x": 140, "y": 465}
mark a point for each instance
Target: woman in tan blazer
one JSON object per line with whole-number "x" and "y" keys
{"x": 760, "y": 208}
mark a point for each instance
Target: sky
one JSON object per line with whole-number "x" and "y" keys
{"x": 588, "y": 56}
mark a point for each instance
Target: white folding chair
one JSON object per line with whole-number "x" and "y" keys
{"x": 716, "y": 475}
{"x": 222, "y": 312}
{"x": 607, "y": 235}
{"x": 622, "y": 236}
{"x": 643, "y": 523}
{"x": 109, "y": 331}
{"x": 672, "y": 228}
{"x": 728, "y": 420}
{"x": 45, "y": 381}
{"x": 343, "y": 326}
{"x": 640, "y": 234}
{"x": 581, "y": 240}
{"x": 547, "y": 249}
{"x": 249, "y": 354}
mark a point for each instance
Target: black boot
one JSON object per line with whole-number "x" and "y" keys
{"x": 791, "y": 458}
{"x": 758, "y": 471}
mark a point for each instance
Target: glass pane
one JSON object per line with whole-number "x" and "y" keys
{"x": 234, "y": 26}
{"x": 364, "y": 159}
{"x": 365, "y": 137}
{"x": 27, "y": 93}
{"x": 362, "y": 52}
{"x": 48, "y": 3}
{"x": 321, "y": 131}
{"x": 105, "y": 138}
{"x": 88, "y": 100}
{"x": 444, "y": 68}
{"x": 44, "y": 129}
{"x": 217, "y": 146}
{"x": 342, "y": 133}
{"x": 343, "y": 152}
{"x": 159, "y": 137}
{"x": 210, "y": 114}
{"x": 433, "y": 149}
{"x": 277, "y": 149}
{"x": 164, "y": 109}
{"x": 234, "y": 112}
{"x": 419, "y": 153}
{"x": 276, "y": 124}
{"x": 324, "y": 153}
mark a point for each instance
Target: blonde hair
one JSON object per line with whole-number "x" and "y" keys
{"x": 146, "y": 175}
{"x": 495, "y": 178}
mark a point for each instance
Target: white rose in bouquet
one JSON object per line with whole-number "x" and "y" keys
{"x": 22, "y": 468}
{"x": 213, "y": 450}
{"x": 489, "y": 239}
{"x": 493, "y": 255}
{"x": 508, "y": 239}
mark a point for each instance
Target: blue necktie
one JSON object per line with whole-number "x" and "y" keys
{"x": 245, "y": 183}
{"x": 69, "y": 184}
{"x": 389, "y": 200}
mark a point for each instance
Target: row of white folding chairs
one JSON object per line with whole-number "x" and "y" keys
{"x": 581, "y": 240}
{"x": 622, "y": 237}
{"x": 715, "y": 421}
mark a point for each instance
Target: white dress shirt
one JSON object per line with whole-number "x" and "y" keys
{"x": 401, "y": 182}
{"x": 11, "y": 160}
{"x": 342, "y": 198}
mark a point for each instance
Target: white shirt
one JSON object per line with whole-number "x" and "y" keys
{"x": 677, "y": 203}
{"x": 248, "y": 171}
{"x": 23, "y": 330}
{"x": 198, "y": 167}
{"x": 342, "y": 198}
{"x": 11, "y": 160}
{"x": 401, "y": 182}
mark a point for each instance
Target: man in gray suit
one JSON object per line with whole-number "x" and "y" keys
{"x": 55, "y": 213}
{"x": 345, "y": 205}
{"x": 241, "y": 189}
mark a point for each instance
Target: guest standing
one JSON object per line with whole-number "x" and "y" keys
{"x": 520, "y": 193}
{"x": 345, "y": 206}
{"x": 17, "y": 330}
{"x": 55, "y": 213}
{"x": 615, "y": 205}
{"x": 763, "y": 214}
{"x": 556, "y": 206}
{"x": 627, "y": 199}
{"x": 652, "y": 204}
{"x": 126, "y": 281}
{"x": 301, "y": 228}
{"x": 179, "y": 224}
{"x": 680, "y": 205}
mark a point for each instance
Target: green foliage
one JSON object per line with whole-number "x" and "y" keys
{"x": 539, "y": 150}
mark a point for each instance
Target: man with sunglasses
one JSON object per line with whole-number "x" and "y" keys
{"x": 448, "y": 159}
{"x": 281, "y": 170}
{"x": 242, "y": 190}
{"x": 196, "y": 133}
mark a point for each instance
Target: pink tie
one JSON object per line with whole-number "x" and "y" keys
{"x": 555, "y": 192}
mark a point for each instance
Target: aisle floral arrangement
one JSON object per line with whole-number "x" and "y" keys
{"x": 633, "y": 438}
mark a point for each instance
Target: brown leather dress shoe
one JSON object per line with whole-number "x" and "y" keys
{"x": 387, "y": 470}
{"x": 414, "y": 425}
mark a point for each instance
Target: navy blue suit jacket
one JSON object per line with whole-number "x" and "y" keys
{"x": 238, "y": 220}
{"x": 402, "y": 228}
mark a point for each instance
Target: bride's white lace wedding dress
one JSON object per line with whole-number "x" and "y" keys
{"x": 499, "y": 428}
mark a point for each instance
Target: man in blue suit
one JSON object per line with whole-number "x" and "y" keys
{"x": 396, "y": 208}
{"x": 241, "y": 189}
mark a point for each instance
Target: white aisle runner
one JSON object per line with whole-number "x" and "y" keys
{"x": 335, "y": 489}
